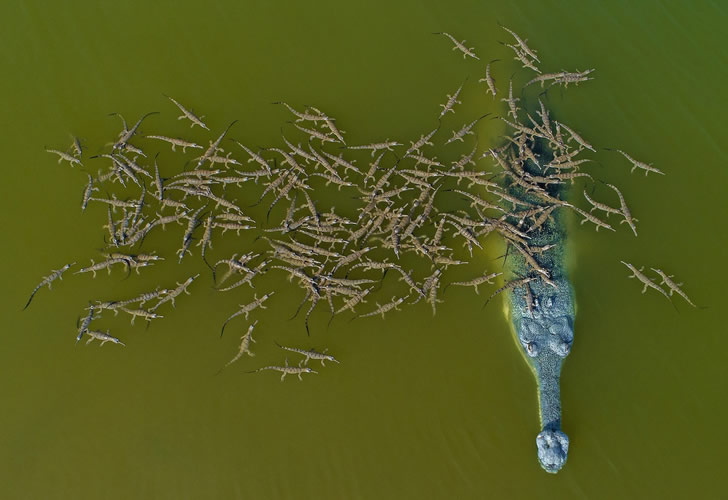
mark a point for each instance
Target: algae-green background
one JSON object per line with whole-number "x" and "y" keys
{"x": 420, "y": 407}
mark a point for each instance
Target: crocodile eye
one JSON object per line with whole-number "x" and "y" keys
{"x": 531, "y": 348}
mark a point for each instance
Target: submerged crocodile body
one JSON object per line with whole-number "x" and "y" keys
{"x": 542, "y": 318}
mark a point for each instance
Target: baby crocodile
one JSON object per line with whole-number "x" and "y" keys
{"x": 287, "y": 370}
{"x": 57, "y": 274}
{"x": 104, "y": 337}
{"x": 311, "y": 354}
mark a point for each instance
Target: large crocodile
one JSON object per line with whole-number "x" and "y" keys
{"x": 542, "y": 318}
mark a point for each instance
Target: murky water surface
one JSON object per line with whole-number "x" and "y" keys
{"x": 420, "y": 407}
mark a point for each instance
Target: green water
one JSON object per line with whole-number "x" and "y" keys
{"x": 420, "y": 407}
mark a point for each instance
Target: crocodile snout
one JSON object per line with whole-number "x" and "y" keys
{"x": 553, "y": 448}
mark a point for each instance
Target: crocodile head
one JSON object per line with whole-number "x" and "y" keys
{"x": 545, "y": 332}
{"x": 553, "y": 448}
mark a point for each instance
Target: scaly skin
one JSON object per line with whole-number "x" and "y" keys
{"x": 544, "y": 330}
